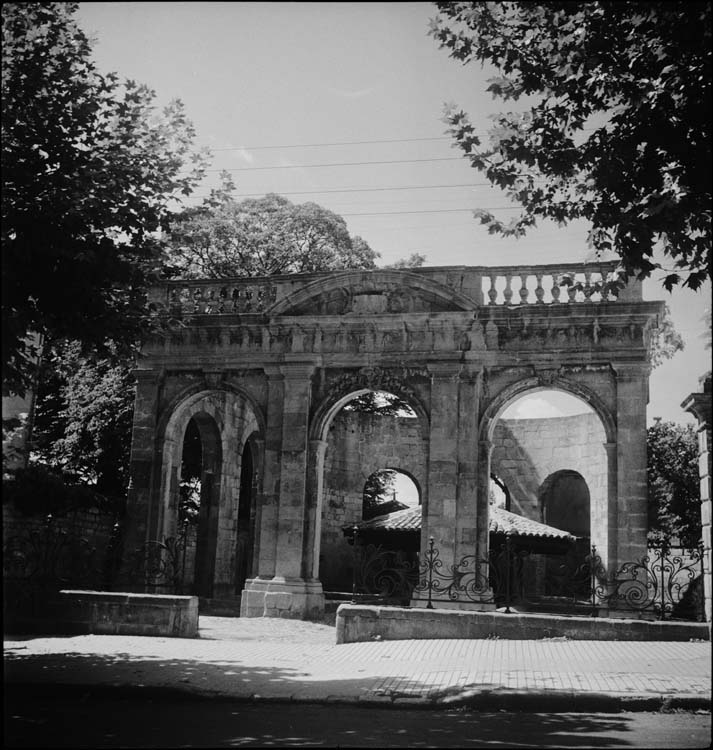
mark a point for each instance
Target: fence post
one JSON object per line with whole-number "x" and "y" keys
{"x": 593, "y": 579}
{"x": 184, "y": 535}
{"x": 429, "y": 556}
{"x": 355, "y": 536}
{"x": 662, "y": 552}
{"x": 508, "y": 563}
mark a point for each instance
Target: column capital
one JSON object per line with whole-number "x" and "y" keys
{"x": 699, "y": 404}
{"x": 213, "y": 378}
{"x": 297, "y": 369}
{"x": 444, "y": 370}
{"x": 148, "y": 377}
{"x": 631, "y": 370}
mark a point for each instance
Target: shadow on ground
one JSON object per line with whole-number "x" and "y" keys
{"x": 48, "y": 716}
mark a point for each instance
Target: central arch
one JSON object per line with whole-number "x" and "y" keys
{"x": 323, "y": 421}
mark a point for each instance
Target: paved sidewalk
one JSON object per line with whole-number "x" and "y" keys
{"x": 269, "y": 659}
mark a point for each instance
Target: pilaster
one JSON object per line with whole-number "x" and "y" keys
{"x": 699, "y": 404}
{"x": 287, "y": 544}
{"x": 631, "y": 462}
{"x": 142, "y": 513}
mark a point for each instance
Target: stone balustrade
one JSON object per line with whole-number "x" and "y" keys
{"x": 498, "y": 285}
{"x": 551, "y": 284}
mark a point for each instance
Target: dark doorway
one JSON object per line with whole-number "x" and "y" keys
{"x": 200, "y": 495}
{"x": 246, "y": 520}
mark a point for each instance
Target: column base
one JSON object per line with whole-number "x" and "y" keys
{"x": 292, "y": 598}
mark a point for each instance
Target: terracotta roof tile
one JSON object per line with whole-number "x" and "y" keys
{"x": 501, "y": 522}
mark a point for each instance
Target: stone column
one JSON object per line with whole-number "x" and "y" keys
{"x": 472, "y": 538}
{"x": 604, "y": 531}
{"x": 288, "y": 594}
{"x": 632, "y": 512}
{"x": 252, "y": 601}
{"x": 699, "y": 404}
{"x": 142, "y": 511}
{"x": 451, "y": 515}
{"x": 313, "y": 527}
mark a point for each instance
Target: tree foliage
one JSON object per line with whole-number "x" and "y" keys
{"x": 615, "y": 128}
{"x": 262, "y": 236}
{"x": 89, "y": 172}
{"x": 84, "y": 416}
{"x": 673, "y": 481}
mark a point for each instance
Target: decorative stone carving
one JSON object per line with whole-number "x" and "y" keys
{"x": 491, "y": 335}
{"x": 548, "y": 376}
{"x": 375, "y": 379}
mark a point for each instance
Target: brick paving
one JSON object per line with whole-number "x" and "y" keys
{"x": 276, "y": 659}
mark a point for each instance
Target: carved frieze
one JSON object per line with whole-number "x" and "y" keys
{"x": 368, "y": 299}
{"x": 395, "y": 380}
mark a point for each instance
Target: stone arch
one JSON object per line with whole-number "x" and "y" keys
{"x": 601, "y": 480}
{"x": 389, "y": 469}
{"x": 338, "y": 287}
{"x": 356, "y": 384}
{"x": 564, "y": 501}
{"x": 531, "y": 385}
{"x": 226, "y": 419}
{"x": 319, "y": 434}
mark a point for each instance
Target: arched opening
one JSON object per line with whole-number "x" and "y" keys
{"x": 388, "y": 490}
{"x": 565, "y": 502}
{"x": 246, "y": 519}
{"x": 374, "y": 462}
{"x": 199, "y": 494}
{"x": 547, "y": 449}
{"x": 548, "y": 434}
{"x": 499, "y": 494}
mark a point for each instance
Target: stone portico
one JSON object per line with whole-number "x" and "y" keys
{"x": 262, "y": 366}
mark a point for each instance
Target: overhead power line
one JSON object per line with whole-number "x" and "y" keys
{"x": 336, "y": 164}
{"x": 433, "y": 211}
{"x": 341, "y": 143}
{"x": 354, "y": 190}
{"x": 334, "y": 143}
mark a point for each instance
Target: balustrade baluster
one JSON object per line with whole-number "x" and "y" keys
{"x": 524, "y": 291}
{"x": 556, "y": 289}
{"x": 507, "y": 293}
{"x": 588, "y": 288}
{"x": 572, "y": 290}
{"x": 539, "y": 291}
{"x": 492, "y": 292}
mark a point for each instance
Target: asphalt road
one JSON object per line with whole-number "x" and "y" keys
{"x": 47, "y": 716}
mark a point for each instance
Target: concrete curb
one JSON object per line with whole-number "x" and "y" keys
{"x": 554, "y": 701}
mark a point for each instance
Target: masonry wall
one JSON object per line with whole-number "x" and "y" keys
{"x": 528, "y": 451}
{"x": 90, "y": 524}
{"x": 525, "y": 453}
{"x": 357, "y": 446}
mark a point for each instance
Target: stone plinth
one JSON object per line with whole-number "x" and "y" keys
{"x": 282, "y": 597}
{"x": 115, "y": 613}
{"x": 364, "y": 623}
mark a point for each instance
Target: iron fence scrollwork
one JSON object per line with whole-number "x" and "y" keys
{"x": 665, "y": 583}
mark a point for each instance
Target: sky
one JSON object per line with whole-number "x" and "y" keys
{"x": 278, "y": 90}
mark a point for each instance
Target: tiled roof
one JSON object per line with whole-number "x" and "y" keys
{"x": 501, "y": 522}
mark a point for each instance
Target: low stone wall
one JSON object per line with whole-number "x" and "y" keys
{"x": 369, "y": 623}
{"x": 110, "y": 613}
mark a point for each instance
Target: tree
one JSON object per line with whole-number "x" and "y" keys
{"x": 262, "y": 236}
{"x": 84, "y": 416}
{"x": 89, "y": 173}
{"x": 673, "y": 481}
{"x": 616, "y": 128}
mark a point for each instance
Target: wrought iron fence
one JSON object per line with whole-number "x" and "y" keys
{"x": 666, "y": 583}
{"x": 39, "y": 562}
